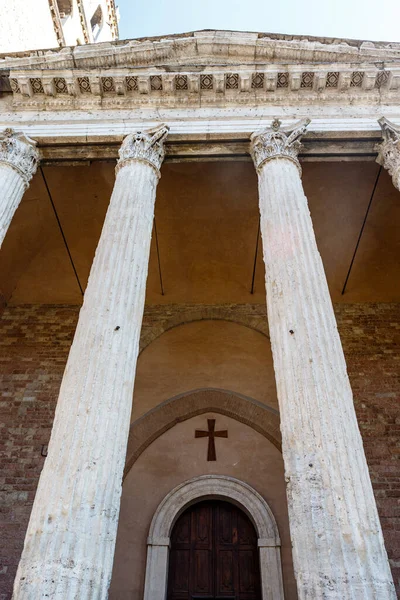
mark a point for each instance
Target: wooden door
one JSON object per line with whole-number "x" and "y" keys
{"x": 213, "y": 554}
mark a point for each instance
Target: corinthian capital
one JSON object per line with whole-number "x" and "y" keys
{"x": 389, "y": 150}
{"x": 277, "y": 142}
{"x": 19, "y": 152}
{"x": 145, "y": 146}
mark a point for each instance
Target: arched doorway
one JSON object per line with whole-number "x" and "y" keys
{"x": 214, "y": 554}
{"x": 213, "y": 487}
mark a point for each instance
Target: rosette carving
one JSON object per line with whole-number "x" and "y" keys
{"x": 389, "y": 150}
{"x": 145, "y": 146}
{"x": 19, "y": 152}
{"x": 277, "y": 142}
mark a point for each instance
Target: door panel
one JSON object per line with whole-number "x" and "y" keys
{"x": 247, "y": 582}
{"x": 180, "y": 571}
{"x": 182, "y": 529}
{"x": 202, "y": 575}
{"x": 214, "y": 554}
{"x": 225, "y": 573}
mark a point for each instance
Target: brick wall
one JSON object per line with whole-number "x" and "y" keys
{"x": 371, "y": 342}
{"x": 34, "y": 344}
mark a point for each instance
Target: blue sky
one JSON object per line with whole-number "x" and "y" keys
{"x": 357, "y": 19}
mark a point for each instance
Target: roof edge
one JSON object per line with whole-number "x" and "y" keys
{"x": 210, "y": 46}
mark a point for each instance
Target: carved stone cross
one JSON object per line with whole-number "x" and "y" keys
{"x": 211, "y": 434}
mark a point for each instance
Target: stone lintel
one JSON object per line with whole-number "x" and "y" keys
{"x": 198, "y": 150}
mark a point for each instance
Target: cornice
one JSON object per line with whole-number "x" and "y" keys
{"x": 216, "y": 86}
{"x": 208, "y": 48}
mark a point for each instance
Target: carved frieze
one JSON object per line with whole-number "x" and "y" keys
{"x": 125, "y": 87}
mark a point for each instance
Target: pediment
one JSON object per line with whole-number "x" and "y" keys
{"x": 207, "y": 48}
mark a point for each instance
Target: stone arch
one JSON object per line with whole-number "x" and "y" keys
{"x": 151, "y": 425}
{"x": 218, "y": 487}
{"x": 251, "y": 316}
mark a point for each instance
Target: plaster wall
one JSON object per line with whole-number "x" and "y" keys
{"x": 175, "y": 457}
{"x": 26, "y": 25}
{"x": 205, "y": 354}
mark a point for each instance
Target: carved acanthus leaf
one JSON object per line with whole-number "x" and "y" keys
{"x": 19, "y": 152}
{"x": 277, "y": 142}
{"x": 145, "y": 146}
{"x": 389, "y": 150}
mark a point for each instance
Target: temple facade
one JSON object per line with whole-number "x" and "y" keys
{"x": 200, "y": 319}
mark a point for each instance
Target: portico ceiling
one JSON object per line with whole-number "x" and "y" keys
{"x": 207, "y": 222}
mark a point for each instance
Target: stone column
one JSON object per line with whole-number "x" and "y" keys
{"x": 338, "y": 548}
{"x": 69, "y": 544}
{"x": 18, "y": 163}
{"x": 389, "y": 150}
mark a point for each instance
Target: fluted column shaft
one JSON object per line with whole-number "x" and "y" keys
{"x": 338, "y": 548}
{"x": 18, "y": 163}
{"x": 69, "y": 544}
